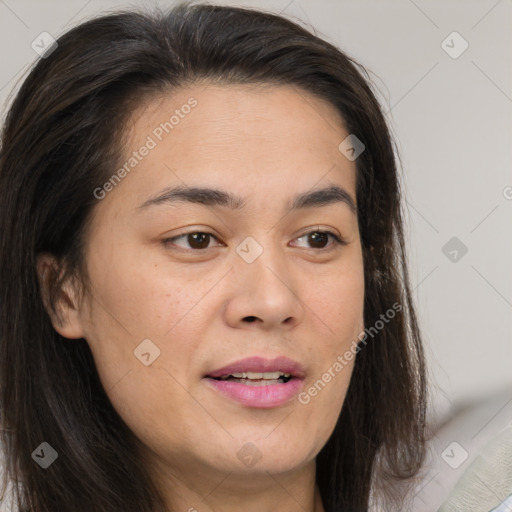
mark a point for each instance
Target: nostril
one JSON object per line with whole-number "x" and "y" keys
{"x": 250, "y": 318}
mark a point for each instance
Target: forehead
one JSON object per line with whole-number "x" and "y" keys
{"x": 251, "y": 139}
{"x": 240, "y": 119}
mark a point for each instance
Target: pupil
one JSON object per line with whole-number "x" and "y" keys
{"x": 202, "y": 237}
{"x": 315, "y": 236}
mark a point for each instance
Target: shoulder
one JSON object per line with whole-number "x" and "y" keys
{"x": 469, "y": 464}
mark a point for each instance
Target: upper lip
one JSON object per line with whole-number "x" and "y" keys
{"x": 260, "y": 364}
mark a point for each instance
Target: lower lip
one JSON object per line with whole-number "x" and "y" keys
{"x": 258, "y": 396}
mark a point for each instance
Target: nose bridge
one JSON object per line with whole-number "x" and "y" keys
{"x": 262, "y": 267}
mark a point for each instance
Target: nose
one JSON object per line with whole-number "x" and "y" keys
{"x": 266, "y": 293}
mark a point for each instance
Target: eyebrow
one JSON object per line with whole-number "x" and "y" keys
{"x": 213, "y": 197}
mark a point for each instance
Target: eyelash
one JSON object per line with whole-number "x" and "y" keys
{"x": 337, "y": 240}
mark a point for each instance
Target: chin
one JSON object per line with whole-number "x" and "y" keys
{"x": 267, "y": 456}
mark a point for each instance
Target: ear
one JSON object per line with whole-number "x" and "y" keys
{"x": 66, "y": 316}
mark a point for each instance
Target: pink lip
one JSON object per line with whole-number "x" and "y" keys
{"x": 259, "y": 396}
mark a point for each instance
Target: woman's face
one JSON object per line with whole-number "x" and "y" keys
{"x": 257, "y": 280}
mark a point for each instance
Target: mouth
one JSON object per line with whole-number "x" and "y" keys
{"x": 257, "y": 378}
{"x": 258, "y": 382}
{"x": 260, "y": 369}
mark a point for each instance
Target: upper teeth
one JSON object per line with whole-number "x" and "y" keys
{"x": 258, "y": 375}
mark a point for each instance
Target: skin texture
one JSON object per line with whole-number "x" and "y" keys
{"x": 266, "y": 144}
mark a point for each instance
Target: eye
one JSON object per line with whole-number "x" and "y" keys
{"x": 320, "y": 238}
{"x": 200, "y": 240}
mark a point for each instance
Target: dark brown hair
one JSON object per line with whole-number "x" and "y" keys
{"x": 62, "y": 137}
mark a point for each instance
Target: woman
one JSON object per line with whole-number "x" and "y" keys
{"x": 205, "y": 299}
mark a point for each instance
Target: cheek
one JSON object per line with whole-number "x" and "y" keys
{"x": 338, "y": 305}
{"x": 148, "y": 299}
{"x": 145, "y": 311}
{"x": 135, "y": 301}
{"x": 338, "y": 314}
